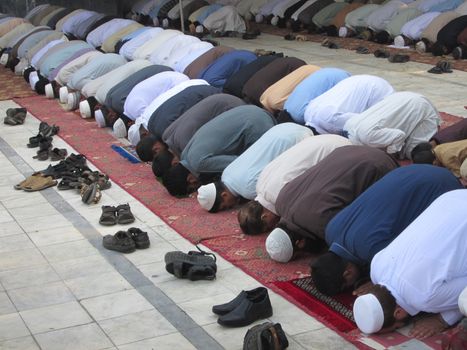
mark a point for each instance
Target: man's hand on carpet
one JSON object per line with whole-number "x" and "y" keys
{"x": 363, "y": 289}
{"x": 428, "y": 326}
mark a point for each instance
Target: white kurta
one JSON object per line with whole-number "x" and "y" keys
{"x": 117, "y": 75}
{"x": 146, "y": 91}
{"x": 36, "y": 58}
{"x": 132, "y": 45}
{"x": 146, "y": 50}
{"x": 98, "y": 35}
{"x": 291, "y": 164}
{"x": 225, "y": 19}
{"x": 179, "y": 53}
{"x": 67, "y": 71}
{"x": 187, "y": 59}
{"x": 164, "y": 53}
{"x": 413, "y": 29}
{"x": 425, "y": 267}
{"x": 379, "y": 18}
{"x": 329, "y": 112}
{"x": 398, "y": 123}
{"x": 74, "y": 22}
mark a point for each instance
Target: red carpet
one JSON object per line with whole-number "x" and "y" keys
{"x": 220, "y": 232}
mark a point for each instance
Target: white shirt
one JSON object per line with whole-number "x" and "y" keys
{"x": 67, "y": 71}
{"x": 379, "y": 18}
{"x": 117, "y": 75}
{"x": 328, "y": 112}
{"x": 398, "y": 123}
{"x": 291, "y": 164}
{"x": 189, "y": 58}
{"x": 35, "y": 60}
{"x": 98, "y": 35}
{"x": 425, "y": 267}
{"x": 132, "y": 45}
{"x": 179, "y": 53}
{"x": 146, "y": 91}
{"x": 74, "y": 22}
{"x": 145, "y": 51}
{"x": 413, "y": 29}
{"x": 165, "y": 52}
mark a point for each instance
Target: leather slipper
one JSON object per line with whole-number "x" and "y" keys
{"x": 40, "y": 183}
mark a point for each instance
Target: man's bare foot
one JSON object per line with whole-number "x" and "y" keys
{"x": 363, "y": 289}
{"x": 428, "y": 326}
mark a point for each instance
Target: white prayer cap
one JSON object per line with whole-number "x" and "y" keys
{"x": 199, "y": 29}
{"x": 49, "y": 91}
{"x": 463, "y": 169}
{"x": 343, "y": 32}
{"x": 165, "y": 23}
{"x": 63, "y": 94}
{"x": 259, "y": 18}
{"x": 420, "y": 47}
{"x": 119, "y": 128}
{"x": 4, "y": 59}
{"x": 72, "y": 101}
{"x": 33, "y": 79}
{"x": 85, "y": 109}
{"x": 399, "y": 41}
{"x": 463, "y": 301}
{"x": 133, "y": 134}
{"x": 100, "y": 120}
{"x": 275, "y": 20}
{"x": 279, "y": 246}
{"x": 368, "y": 314}
{"x": 207, "y": 196}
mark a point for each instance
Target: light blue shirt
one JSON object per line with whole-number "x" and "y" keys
{"x": 445, "y": 6}
{"x": 241, "y": 175}
{"x": 316, "y": 84}
{"x": 36, "y": 58}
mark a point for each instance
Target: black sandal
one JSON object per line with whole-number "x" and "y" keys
{"x": 193, "y": 266}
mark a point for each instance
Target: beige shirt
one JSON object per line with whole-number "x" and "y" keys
{"x": 451, "y": 155}
{"x": 59, "y": 24}
{"x": 274, "y": 97}
{"x": 431, "y": 32}
{"x": 109, "y": 44}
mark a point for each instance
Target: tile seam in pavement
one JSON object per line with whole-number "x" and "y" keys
{"x": 184, "y": 324}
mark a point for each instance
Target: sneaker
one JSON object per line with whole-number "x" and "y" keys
{"x": 140, "y": 237}
{"x": 119, "y": 128}
{"x": 120, "y": 242}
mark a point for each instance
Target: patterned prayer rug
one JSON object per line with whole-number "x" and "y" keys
{"x": 12, "y": 86}
{"x": 219, "y": 232}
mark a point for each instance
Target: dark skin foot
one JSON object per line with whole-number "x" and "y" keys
{"x": 428, "y": 326}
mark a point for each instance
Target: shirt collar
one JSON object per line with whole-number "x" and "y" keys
{"x": 345, "y": 254}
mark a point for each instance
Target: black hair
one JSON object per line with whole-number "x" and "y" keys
{"x": 40, "y": 85}
{"x": 26, "y": 73}
{"x": 220, "y": 187}
{"x": 249, "y": 218}
{"x": 382, "y": 37}
{"x": 144, "y": 148}
{"x": 162, "y": 163}
{"x": 175, "y": 180}
{"x": 423, "y": 153}
{"x": 284, "y": 117}
{"x": 327, "y": 273}
{"x": 438, "y": 49}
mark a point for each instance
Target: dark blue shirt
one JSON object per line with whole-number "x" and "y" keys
{"x": 385, "y": 209}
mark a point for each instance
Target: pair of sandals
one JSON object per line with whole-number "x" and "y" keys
{"x": 441, "y": 67}
{"x": 36, "y": 182}
{"x": 196, "y": 265}
{"x": 15, "y": 116}
{"x": 120, "y": 214}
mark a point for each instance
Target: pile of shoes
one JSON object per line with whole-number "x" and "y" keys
{"x": 43, "y": 140}
{"x": 127, "y": 241}
{"x": 120, "y": 214}
{"x": 246, "y": 308}
{"x": 195, "y": 266}
{"x": 15, "y": 116}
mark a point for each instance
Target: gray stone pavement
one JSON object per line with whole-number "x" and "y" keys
{"x": 59, "y": 289}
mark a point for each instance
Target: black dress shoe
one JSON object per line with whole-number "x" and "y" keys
{"x": 227, "y": 307}
{"x": 254, "y": 307}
